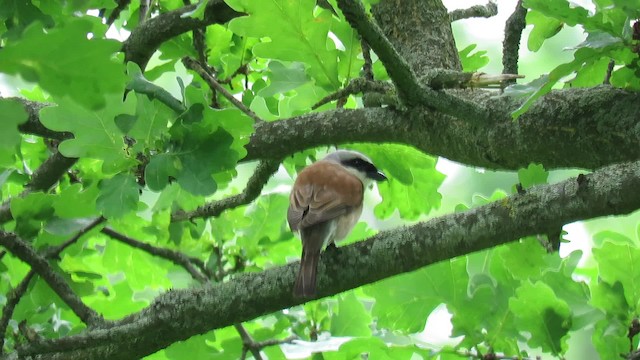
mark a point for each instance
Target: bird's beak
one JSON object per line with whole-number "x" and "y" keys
{"x": 377, "y": 175}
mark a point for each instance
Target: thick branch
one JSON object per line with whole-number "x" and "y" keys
{"x": 586, "y": 128}
{"x": 397, "y": 67}
{"x": 540, "y": 210}
{"x": 40, "y": 265}
{"x": 147, "y": 37}
{"x": 411, "y": 92}
{"x": 421, "y": 32}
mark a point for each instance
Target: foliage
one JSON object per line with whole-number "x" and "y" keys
{"x": 612, "y": 37}
{"x": 143, "y": 159}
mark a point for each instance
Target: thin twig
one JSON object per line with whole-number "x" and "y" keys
{"x": 367, "y": 67}
{"x": 39, "y": 264}
{"x": 356, "y": 86}
{"x": 13, "y": 298}
{"x": 144, "y": 11}
{"x": 247, "y": 342}
{"x": 54, "y": 252}
{"x": 199, "y": 43}
{"x": 174, "y": 256}
{"x": 607, "y": 77}
{"x": 263, "y": 172}
{"x": 122, "y": 4}
{"x": 512, "y": 35}
{"x": 447, "y": 79}
{"x": 242, "y": 70}
{"x": 213, "y": 83}
{"x": 486, "y": 11}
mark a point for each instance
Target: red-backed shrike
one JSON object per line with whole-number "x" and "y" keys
{"x": 324, "y": 205}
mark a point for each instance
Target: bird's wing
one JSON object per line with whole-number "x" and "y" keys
{"x": 323, "y": 191}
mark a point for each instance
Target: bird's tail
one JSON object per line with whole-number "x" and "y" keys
{"x": 305, "y": 286}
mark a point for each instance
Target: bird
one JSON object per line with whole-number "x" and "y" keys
{"x": 324, "y": 205}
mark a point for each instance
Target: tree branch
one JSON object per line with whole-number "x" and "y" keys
{"x": 263, "y": 172}
{"x": 447, "y": 79}
{"x": 175, "y": 257}
{"x": 33, "y": 125}
{"x": 355, "y": 86}
{"x": 585, "y": 128}
{"x": 14, "y": 296}
{"x": 39, "y": 264}
{"x": 559, "y": 131}
{"x": 512, "y": 35}
{"x": 148, "y": 36}
{"x": 411, "y": 92}
{"x": 486, "y": 11}
{"x": 539, "y": 210}
{"x": 193, "y": 64}
{"x": 42, "y": 179}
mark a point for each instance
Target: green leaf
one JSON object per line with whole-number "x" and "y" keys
{"x": 620, "y": 263}
{"x": 534, "y": 174}
{"x": 559, "y": 9}
{"x": 543, "y": 28}
{"x": 484, "y": 315}
{"x": 300, "y": 36}
{"x": 266, "y": 221}
{"x": 17, "y": 15}
{"x": 118, "y": 196}
{"x": 152, "y": 117}
{"x": 86, "y": 74}
{"x": 30, "y": 212}
{"x": 611, "y": 236}
{"x": 525, "y": 259}
{"x": 413, "y": 183}
{"x": 626, "y": 77}
{"x": 351, "y": 318}
{"x": 591, "y": 74}
{"x": 196, "y": 175}
{"x": 404, "y": 302}
{"x": 540, "y": 312}
{"x": 284, "y": 78}
{"x": 610, "y": 338}
{"x": 159, "y": 170}
{"x": 473, "y": 62}
{"x": 573, "y": 291}
{"x": 611, "y": 300}
{"x": 209, "y": 142}
{"x": 13, "y": 114}
{"x": 96, "y": 134}
{"x": 76, "y": 202}
{"x": 583, "y": 56}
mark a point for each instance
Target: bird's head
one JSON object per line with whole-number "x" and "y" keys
{"x": 357, "y": 164}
